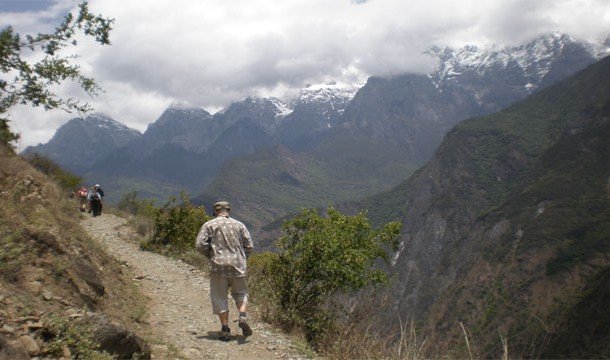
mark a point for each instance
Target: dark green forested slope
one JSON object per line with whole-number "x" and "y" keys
{"x": 507, "y": 228}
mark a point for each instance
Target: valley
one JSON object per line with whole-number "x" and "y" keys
{"x": 496, "y": 163}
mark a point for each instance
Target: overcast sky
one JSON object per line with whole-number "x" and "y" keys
{"x": 210, "y": 52}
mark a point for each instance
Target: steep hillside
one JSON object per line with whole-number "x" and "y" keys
{"x": 508, "y": 223}
{"x": 58, "y": 289}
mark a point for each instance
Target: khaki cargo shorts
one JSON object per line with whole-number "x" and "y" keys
{"x": 219, "y": 288}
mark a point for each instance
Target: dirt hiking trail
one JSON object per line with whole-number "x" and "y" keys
{"x": 179, "y": 310}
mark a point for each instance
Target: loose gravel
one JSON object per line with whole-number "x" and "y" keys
{"x": 180, "y": 313}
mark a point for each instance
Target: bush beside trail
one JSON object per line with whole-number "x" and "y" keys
{"x": 321, "y": 260}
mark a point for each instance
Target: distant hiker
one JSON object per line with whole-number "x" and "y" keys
{"x": 99, "y": 189}
{"x": 227, "y": 243}
{"x": 95, "y": 200}
{"x": 82, "y": 198}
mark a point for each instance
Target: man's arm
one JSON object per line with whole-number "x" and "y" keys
{"x": 203, "y": 242}
{"x": 246, "y": 241}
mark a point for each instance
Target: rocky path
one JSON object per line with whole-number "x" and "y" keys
{"x": 180, "y": 312}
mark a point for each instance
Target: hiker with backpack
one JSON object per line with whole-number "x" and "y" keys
{"x": 94, "y": 197}
{"x": 82, "y": 198}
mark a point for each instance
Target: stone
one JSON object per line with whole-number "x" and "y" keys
{"x": 30, "y": 345}
{"x": 47, "y": 295}
{"x": 33, "y": 326}
{"x": 71, "y": 311}
{"x": 7, "y": 329}
{"x": 116, "y": 339}
{"x": 34, "y": 287}
{"x": 91, "y": 276}
{"x": 12, "y": 350}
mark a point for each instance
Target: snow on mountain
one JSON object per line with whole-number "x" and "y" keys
{"x": 187, "y": 109}
{"x": 601, "y": 49}
{"x": 282, "y": 108}
{"x": 334, "y": 95}
{"x": 534, "y": 59}
{"x": 105, "y": 122}
{"x": 332, "y": 92}
{"x": 81, "y": 141}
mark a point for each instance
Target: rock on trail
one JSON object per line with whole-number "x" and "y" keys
{"x": 179, "y": 313}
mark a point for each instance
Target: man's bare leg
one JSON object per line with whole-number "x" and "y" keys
{"x": 242, "y": 321}
{"x": 224, "y": 318}
{"x": 225, "y": 332}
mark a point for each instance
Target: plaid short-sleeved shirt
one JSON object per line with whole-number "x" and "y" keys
{"x": 228, "y": 241}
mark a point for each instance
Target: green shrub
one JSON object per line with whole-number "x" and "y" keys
{"x": 134, "y": 206}
{"x": 320, "y": 257}
{"x": 177, "y": 225}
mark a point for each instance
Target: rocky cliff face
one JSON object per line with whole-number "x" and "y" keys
{"x": 313, "y": 115}
{"x": 508, "y": 221}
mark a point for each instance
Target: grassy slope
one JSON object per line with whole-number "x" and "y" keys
{"x": 530, "y": 258}
{"x": 41, "y": 242}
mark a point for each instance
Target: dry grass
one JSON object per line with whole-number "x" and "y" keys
{"x": 43, "y": 249}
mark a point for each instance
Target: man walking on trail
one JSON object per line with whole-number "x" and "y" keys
{"x": 227, "y": 243}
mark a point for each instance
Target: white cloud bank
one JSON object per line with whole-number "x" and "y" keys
{"x": 212, "y": 52}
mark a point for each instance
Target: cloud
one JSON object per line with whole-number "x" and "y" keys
{"x": 211, "y": 52}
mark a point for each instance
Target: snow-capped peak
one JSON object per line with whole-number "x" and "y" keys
{"x": 104, "y": 121}
{"x": 331, "y": 91}
{"x": 534, "y": 58}
{"x": 181, "y": 106}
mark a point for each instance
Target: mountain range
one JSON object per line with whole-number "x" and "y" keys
{"x": 392, "y": 126}
{"x": 332, "y": 143}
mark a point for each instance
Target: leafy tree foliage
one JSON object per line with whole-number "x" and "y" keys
{"x": 28, "y": 82}
{"x": 319, "y": 258}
